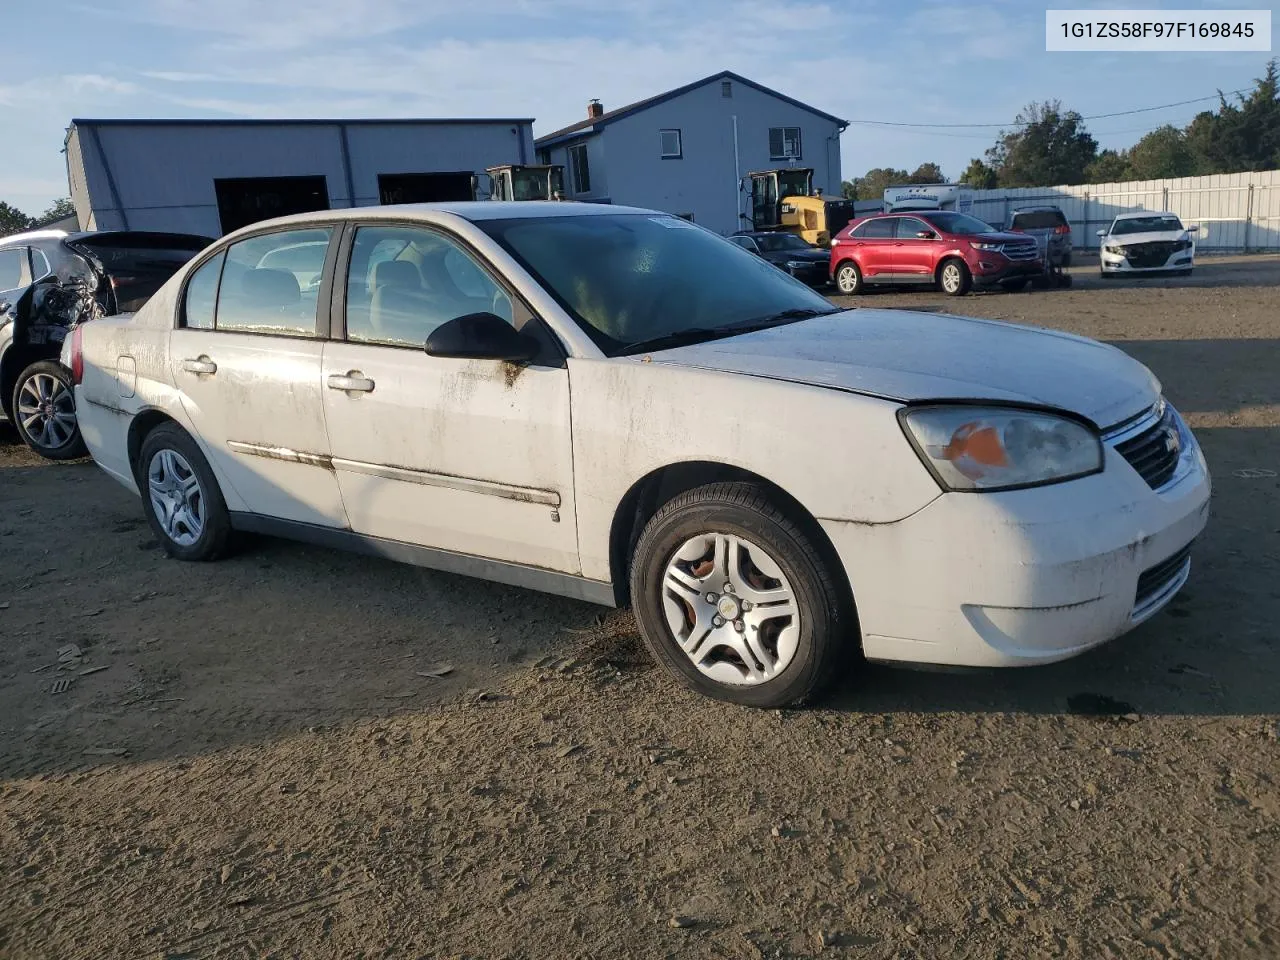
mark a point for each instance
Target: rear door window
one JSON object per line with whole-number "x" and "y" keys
{"x": 1038, "y": 220}
{"x": 13, "y": 268}
{"x": 881, "y": 229}
{"x": 271, "y": 283}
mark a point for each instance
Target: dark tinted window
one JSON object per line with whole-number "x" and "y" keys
{"x": 1038, "y": 220}
{"x": 626, "y": 278}
{"x": 782, "y": 241}
{"x": 908, "y": 227}
{"x": 271, "y": 283}
{"x": 746, "y": 243}
{"x": 879, "y": 229}
{"x": 202, "y": 295}
{"x": 960, "y": 223}
{"x": 139, "y": 264}
{"x": 11, "y": 263}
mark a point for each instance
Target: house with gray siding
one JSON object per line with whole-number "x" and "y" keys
{"x": 212, "y": 176}
{"x": 686, "y": 150}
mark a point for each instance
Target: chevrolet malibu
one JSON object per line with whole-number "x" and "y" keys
{"x": 619, "y": 406}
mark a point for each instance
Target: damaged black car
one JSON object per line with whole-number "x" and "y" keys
{"x": 50, "y": 281}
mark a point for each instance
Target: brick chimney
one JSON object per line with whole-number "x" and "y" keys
{"x": 595, "y": 110}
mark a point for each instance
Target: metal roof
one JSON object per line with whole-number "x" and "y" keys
{"x": 593, "y": 124}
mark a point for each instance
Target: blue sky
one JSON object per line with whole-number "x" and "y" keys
{"x": 925, "y": 62}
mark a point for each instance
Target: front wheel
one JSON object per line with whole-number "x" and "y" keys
{"x": 735, "y": 601}
{"x": 44, "y": 411}
{"x": 848, "y": 278}
{"x": 954, "y": 278}
{"x": 180, "y": 496}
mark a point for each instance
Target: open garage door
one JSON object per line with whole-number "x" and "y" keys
{"x": 424, "y": 187}
{"x": 246, "y": 200}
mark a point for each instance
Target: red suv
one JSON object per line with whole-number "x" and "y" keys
{"x": 953, "y": 251}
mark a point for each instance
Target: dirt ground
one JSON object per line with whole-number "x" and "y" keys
{"x": 255, "y": 758}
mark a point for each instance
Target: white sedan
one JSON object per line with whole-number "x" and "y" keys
{"x": 1144, "y": 242}
{"x": 620, "y": 406}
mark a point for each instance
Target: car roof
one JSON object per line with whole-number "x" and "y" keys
{"x": 1036, "y": 208}
{"x": 474, "y": 210}
{"x": 1144, "y": 214}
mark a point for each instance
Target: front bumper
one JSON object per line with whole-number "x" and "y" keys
{"x": 989, "y": 271}
{"x": 815, "y": 274}
{"x": 1025, "y": 576}
{"x": 1118, "y": 263}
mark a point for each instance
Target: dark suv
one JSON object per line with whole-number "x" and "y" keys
{"x": 50, "y": 281}
{"x": 953, "y": 251}
{"x": 1051, "y": 229}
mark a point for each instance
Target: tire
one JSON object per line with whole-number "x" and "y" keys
{"x": 44, "y": 411}
{"x": 171, "y": 464}
{"x": 1013, "y": 286}
{"x": 778, "y": 665}
{"x": 848, "y": 278}
{"x": 1066, "y": 261}
{"x": 954, "y": 278}
{"x": 1064, "y": 280}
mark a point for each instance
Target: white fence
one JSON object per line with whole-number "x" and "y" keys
{"x": 1235, "y": 211}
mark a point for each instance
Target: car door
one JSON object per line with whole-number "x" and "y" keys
{"x": 471, "y": 456}
{"x": 873, "y": 245}
{"x": 916, "y": 255}
{"x": 245, "y": 359}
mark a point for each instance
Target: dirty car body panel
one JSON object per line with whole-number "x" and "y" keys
{"x": 524, "y": 472}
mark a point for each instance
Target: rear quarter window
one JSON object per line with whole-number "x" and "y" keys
{"x": 1038, "y": 220}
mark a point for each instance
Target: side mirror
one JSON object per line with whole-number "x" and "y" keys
{"x": 1102, "y": 233}
{"x": 1193, "y": 229}
{"x": 481, "y": 336}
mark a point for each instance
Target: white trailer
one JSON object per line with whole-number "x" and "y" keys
{"x": 929, "y": 196}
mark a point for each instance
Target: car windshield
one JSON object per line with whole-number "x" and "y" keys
{"x": 1145, "y": 225}
{"x": 1038, "y": 220}
{"x": 628, "y": 279}
{"x": 781, "y": 241}
{"x": 793, "y": 183}
{"x": 958, "y": 223}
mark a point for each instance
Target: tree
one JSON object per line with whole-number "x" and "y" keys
{"x": 849, "y": 189}
{"x": 1161, "y": 153}
{"x": 978, "y": 175}
{"x": 1108, "y": 167}
{"x": 872, "y": 184}
{"x": 927, "y": 173}
{"x": 57, "y": 210}
{"x": 1050, "y": 146}
{"x": 12, "y": 220}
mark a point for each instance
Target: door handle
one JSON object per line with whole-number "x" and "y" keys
{"x": 201, "y": 364}
{"x": 353, "y": 381}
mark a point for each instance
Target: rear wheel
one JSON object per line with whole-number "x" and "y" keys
{"x": 954, "y": 278}
{"x": 735, "y": 601}
{"x": 180, "y": 496}
{"x": 44, "y": 411}
{"x": 848, "y": 278}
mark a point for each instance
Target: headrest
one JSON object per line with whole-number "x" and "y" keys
{"x": 396, "y": 273}
{"x": 270, "y": 288}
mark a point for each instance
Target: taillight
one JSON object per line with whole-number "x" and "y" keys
{"x": 1062, "y": 229}
{"x": 77, "y": 355}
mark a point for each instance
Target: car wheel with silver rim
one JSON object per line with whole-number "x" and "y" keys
{"x": 954, "y": 278}
{"x": 734, "y": 597}
{"x": 181, "y": 497}
{"x": 44, "y": 412}
{"x": 848, "y": 278}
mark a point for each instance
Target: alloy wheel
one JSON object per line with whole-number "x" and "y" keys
{"x": 730, "y": 608}
{"x": 951, "y": 278}
{"x": 47, "y": 411}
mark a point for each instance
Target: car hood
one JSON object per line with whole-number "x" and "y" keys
{"x": 814, "y": 255}
{"x": 912, "y": 356}
{"x": 999, "y": 236}
{"x": 1157, "y": 236}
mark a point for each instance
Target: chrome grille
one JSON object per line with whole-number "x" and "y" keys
{"x": 1154, "y": 452}
{"x": 1153, "y": 254}
{"x": 1157, "y": 579}
{"x": 1021, "y": 251}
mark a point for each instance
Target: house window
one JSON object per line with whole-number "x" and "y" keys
{"x": 581, "y": 171}
{"x": 544, "y": 155}
{"x": 671, "y": 147}
{"x": 726, "y": 89}
{"x": 784, "y": 143}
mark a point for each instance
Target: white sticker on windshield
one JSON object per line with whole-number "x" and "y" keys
{"x": 673, "y": 223}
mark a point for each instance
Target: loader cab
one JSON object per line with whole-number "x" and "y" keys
{"x": 770, "y": 190}
{"x": 526, "y": 181}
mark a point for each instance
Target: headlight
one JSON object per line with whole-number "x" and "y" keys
{"x": 986, "y": 246}
{"x": 1183, "y": 244}
{"x": 996, "y": 448}
{"x": 1113, "y": 248}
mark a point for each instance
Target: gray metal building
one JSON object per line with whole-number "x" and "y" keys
{"x": 212, "y": 176}
{"x": 684, "y": 151}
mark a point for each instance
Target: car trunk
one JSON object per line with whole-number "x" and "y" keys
{"x": 136, "y": 264}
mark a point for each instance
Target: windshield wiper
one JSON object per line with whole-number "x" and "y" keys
{"x": 683, "y": 338}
